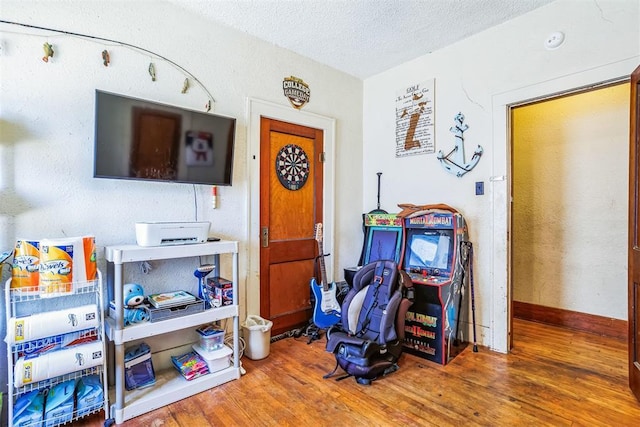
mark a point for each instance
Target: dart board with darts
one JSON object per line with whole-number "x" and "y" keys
{"x": 292, "y": 167}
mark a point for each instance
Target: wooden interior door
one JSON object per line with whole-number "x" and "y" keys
{"x": 634, "y": 237}
{"x": 291, "y": 201}
{"x": 156, "y": 141}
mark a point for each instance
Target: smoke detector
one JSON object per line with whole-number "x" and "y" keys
{"x": 554, "y": 40}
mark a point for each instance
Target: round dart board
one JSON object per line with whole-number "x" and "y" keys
{"x": 292, "y": 167}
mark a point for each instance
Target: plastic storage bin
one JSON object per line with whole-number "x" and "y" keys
{"x": 138, "y": 368}
{"x": 216, "y": 359}
{"x": 257, "y": 336}
{"x": 210, "y": 337}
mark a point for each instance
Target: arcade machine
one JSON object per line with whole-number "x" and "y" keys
{"x": 382, "y": 241}
{"x": 434, "y": 258}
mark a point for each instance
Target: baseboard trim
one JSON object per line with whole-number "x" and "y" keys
{"x": 605, "y": 326}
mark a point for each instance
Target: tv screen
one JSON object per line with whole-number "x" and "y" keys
{"x": 382, "y": 244}
{"x": 429, "y": 249}
{"x": 145, "y": 140}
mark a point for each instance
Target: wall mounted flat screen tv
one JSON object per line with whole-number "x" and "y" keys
{"x": 145, "y": 140}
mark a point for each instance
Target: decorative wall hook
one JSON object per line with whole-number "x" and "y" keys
{"x": 454, "y": 161}
{"x": 48, "y": 52}
{"x": 152, "y": 71}
{"x": 106, "y": 58}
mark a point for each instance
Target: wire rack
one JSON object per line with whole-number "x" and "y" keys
{"x": 27, "y": 301}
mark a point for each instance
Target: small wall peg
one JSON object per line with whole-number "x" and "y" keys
{"x": 214, "y": 197}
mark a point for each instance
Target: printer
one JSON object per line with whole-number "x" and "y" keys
{"x": 171, "y": 233}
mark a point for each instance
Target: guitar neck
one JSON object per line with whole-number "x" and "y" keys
{"x": 323, "y": 271}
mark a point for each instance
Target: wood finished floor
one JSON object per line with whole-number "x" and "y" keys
{"x": 553, "y": 377}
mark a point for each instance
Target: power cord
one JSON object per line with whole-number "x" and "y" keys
{"x": 228, "y": 340}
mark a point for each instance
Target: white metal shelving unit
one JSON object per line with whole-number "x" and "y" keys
{"x": 27, "y": 301}
{"x": 170, "y": 386}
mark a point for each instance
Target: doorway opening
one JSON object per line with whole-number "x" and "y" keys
{"x": 568, "y": 213}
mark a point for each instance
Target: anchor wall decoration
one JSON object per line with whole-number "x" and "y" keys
{"x": 454, "y": 161}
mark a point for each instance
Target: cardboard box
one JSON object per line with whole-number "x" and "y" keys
{"x": 221, "y": 289}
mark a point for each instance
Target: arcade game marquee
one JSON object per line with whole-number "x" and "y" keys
{"x": 436, "y": 256}
{"x": 382, "y": 241}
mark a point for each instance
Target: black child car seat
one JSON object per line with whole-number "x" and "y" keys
{"x": 368, "y": 341}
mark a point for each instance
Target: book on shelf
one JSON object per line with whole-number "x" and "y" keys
{"x": 170, "y": 299}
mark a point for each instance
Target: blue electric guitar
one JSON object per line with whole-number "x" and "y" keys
{"x": 326, "y": 312}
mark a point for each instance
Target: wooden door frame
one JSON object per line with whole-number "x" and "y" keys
{"x": 632, "y": 314}
{"x": 256, "y": 109}
{"x": 496, "y": 283}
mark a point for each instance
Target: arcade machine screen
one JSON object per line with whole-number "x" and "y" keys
{"x": 430, "y": 250}
{"x": 383, "y": 244}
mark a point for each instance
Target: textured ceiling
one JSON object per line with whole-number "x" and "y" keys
{"x": 361, "y": 37}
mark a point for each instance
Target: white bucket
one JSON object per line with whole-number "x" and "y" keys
{"x": 257, "y": 336}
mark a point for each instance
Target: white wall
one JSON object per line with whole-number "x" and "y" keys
{"x": 47, "y": 125}
{"x": 570, "y": 202}
{"x": 46, "y": 122}
{"x": 479, "y": 77}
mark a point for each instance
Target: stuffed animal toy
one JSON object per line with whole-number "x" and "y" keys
{"x": 133, "y": 295}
